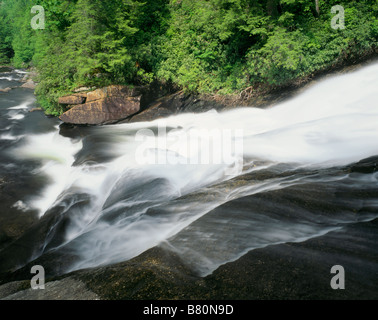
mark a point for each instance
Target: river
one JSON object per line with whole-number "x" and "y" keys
{"x": 297, "y": 171}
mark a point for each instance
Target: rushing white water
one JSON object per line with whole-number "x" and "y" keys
{"x": 138, "y": 201}
{"x": 14, "y": 75}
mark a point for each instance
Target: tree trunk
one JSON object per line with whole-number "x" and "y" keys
{"x": 317, "y": 6}
{"x": 271, "y": 7}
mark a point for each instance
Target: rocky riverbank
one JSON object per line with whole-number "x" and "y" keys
{"x": 28, "y": 80}
{"x": 125, "y": 104}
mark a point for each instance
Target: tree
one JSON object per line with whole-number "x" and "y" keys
{"x": 317, "y": 6}
{"x": 271, "y": 6}
{"x": 6, "y": 50}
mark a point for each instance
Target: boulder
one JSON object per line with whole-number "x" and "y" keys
{"x": 174, "y": 104}
{"x": 30, "y": 84}
{"x": 111, "y": 104}
{"x": 112, "y": 91}
{"x": 35, "y": 109}
{"x": 102, "y": 106}
{"x": 5, "y": 90}
{"x": 72, "y": 99}
{"x": 103, "y": 111}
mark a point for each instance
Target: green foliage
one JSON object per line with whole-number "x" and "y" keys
{"x": 6, "y": 50}
{"x": 227, "y": 46}
{"x": 205, "y": 46}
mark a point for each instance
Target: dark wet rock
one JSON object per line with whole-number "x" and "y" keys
{"x": 173, "y": 104}
{"x": 72, "y": 131}
{"x": 13, "y": 220}
{"x": 369, "y": 165}
{"x": 288, "y": 271}
{"x": 40, "y": 237}
{"x": 302, "y": 270}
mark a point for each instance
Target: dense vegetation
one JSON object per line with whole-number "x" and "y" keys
{"x": 207, "y": 46}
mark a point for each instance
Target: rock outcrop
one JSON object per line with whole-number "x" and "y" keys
{"x": 113, "y": 91}
{"x": 173, "y": 104}
{"x": 111, "y": 104}
{"x": 102, "y": 106}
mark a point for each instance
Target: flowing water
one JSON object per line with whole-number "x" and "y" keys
{"x": 102, "y": 195}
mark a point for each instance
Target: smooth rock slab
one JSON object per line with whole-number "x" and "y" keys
{"x": 108, "y": 110}
{"x": 12, "y": 288}
{"x": 65, "y": 289}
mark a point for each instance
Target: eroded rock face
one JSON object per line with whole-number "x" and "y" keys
{"x": 72, "y": 99}
{"x": 101, "y": 106}
{"x": 112, "y": 91}
{"x": 103, "y": 111}
{"x": 173, "y": 104}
